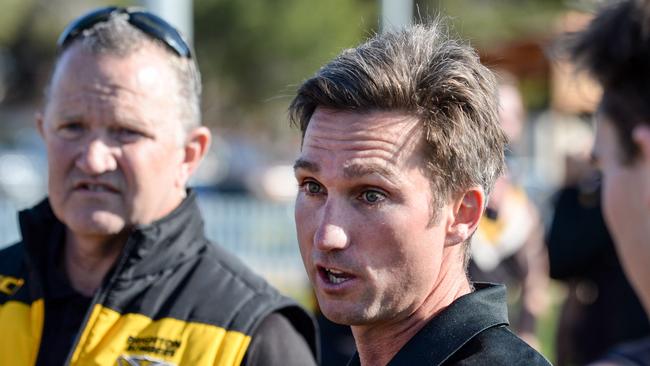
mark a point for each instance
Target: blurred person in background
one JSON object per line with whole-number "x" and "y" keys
{"x": 601, "y": 308}
{"x": 401, "y": 147}
{"x": 113, "y": 266}
{"x": 508, "y": 245}
{"x": 615, "y": 49}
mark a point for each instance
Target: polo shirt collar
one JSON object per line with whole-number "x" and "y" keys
{"x": 448, "y": 331}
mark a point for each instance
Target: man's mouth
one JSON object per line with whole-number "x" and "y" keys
{"x": 96, "y": 187}
{"x": 334, "y": 276}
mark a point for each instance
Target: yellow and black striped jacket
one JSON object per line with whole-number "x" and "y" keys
{"x": 173, "y": 297}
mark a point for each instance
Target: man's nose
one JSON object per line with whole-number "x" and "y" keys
{"x": 331, "y": 233}
{"x": 96, "y": 158}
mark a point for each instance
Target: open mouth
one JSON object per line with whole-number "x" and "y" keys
{"x": 334, "y": 276}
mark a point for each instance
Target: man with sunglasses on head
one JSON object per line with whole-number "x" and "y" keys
{"x": 113, "y": 267}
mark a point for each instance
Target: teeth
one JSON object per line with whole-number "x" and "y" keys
{"x": 335, "y": 280}
{"x": 334, "y": 276}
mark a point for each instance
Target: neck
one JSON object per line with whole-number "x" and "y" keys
{"x": 377, "y": 344}
{"x": 87, "y": 259}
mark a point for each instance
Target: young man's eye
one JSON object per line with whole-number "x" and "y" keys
{"x": 372, "y": 197}
{"x": 311, "y": 188}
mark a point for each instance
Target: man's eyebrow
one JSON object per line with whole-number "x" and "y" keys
{"x": 71, "y": 117}
{"x": 357, "y": 171}
{"x": 306, "y": 165}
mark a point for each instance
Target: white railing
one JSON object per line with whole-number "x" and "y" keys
{"x": 261, "y": 233}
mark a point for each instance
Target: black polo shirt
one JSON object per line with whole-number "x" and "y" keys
{"x": 65, "y": 309}
{"x": 470, "y": 331}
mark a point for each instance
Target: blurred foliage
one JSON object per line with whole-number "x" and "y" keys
{"x": 10, "y": 21}
{"x": 253, "y": 54}
{"x": 489, "y": 22}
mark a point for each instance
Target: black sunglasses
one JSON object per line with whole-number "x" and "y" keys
{"x": 147, "y": 22}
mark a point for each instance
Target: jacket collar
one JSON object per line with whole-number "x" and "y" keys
{"x": 158, "y": 246}
{"x": 149, "y": 249}
{"x": 448, "y": 331}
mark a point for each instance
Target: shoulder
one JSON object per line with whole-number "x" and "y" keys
{"x": 11, "y": 258}
{"x": 497, "y": 346}
{"x": 234, "y": 285}
{"x": 240, "y": 298}
{"x": 254, "y": 306}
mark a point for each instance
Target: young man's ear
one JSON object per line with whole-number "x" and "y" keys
{"x": 195, "y": 148}
{"x": 641, "y": 135}
{"x": 467, "y": 212}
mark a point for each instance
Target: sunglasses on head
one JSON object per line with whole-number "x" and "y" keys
{"x": 147, "y": 22}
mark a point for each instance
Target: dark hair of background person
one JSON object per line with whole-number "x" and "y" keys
{"x": 609, "y": 50}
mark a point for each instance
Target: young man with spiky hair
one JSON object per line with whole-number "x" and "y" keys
{"x": 401, "y": 147}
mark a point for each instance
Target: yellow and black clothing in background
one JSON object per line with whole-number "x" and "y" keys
{"x": 173, "y": 298}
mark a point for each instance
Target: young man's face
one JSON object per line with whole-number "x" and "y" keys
{"x": 363, "y": 216}
{"x": 114, "y": 140}
{"x": 624, "y": 208}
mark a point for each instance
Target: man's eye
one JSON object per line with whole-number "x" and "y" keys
{"x": 373, "y": 196}
{"x": 127, "y": 134}
{"x": 312, "y": 188}
{"x": 70, "y": 130}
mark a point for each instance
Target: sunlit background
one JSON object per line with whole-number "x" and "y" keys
{"x": 253, "y": 54}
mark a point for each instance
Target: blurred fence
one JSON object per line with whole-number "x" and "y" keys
{"x": 261, "y": 233}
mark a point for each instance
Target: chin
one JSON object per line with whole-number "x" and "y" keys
{"x": 343, "y": 314}
{"x": 96, "y": 224}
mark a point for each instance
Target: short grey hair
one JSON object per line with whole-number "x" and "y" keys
{"x": 116, "y": 36}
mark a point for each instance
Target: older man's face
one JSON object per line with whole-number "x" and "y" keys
{"x": 114, "y": 140}
{"x": 363, "y": 217}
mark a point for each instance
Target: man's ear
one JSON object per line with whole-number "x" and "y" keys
{"x": 467, "y": 211}
{"x": 641, "y": 135}
{"x": 195, "y": 148}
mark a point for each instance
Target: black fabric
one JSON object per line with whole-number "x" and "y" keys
{"x": 63, "y": 319}
{"x": 470, "y": 331}
{"x": 166, "y": 269}
{"x": 634, "y": 353}
{"x": 274, "y": 343}
{"x": 65, "y": 309}
{"x": 601, "y": 308}
{"x": 337, "y": 343}
{"x": 578, "y": 241}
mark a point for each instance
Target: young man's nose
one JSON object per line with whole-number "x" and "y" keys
{"x": 96, "y": 158}
{"x": 330, "y": 237}
{"x": 331, "y": 233}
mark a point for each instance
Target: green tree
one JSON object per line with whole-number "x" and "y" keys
{"x": 254, "y": 53}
